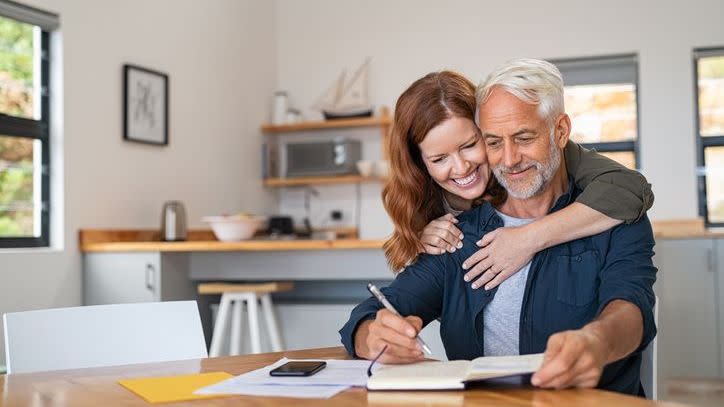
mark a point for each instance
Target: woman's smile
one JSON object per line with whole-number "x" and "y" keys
{"x": 469, "y": 180}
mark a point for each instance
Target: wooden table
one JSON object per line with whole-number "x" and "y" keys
{"x": 99, "y": 387}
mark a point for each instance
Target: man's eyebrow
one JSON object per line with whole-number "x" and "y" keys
{"x": 516, "y": 134}
{"x": 523, "y": 131}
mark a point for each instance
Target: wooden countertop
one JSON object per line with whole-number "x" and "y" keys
{"x": 684, "y": 229}
{"x": 147, "y": 240}
{"x": 93, "y": 240}
{"x": 99, "y": 387}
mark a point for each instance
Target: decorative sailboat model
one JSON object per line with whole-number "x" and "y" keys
{"x": 347, "y": 99}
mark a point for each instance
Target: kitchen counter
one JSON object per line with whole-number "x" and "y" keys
{"x": 95, "y": 240}
{"x": 147, "y": 240}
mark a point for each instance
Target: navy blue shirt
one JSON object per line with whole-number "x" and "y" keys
{"x": 567, "y": 287}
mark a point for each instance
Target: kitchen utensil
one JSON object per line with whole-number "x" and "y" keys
{"x": 173, "y": 221}
{"x": 234, "y": 228}
{"x": 364, "y": 168}
{"x": 281, "y": 225}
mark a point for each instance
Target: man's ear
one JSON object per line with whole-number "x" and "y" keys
{"x": 563, "y": 130}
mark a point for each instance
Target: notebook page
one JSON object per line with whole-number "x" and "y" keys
{"x": 421, "y": 375}
{"x": 499, "y": 366}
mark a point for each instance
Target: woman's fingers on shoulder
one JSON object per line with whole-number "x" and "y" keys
{"x": 429, "y": 249}
{"x": 449, "y": 217}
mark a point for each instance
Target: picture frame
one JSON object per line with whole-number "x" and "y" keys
{"x": 145, "y": 105}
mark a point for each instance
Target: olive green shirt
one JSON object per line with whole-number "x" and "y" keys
{"x": 608, "y": 187}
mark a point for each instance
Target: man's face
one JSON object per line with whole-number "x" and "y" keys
{"x": 520, "y": 151}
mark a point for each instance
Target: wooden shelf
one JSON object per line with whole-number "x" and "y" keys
{"x": 299, "y": 181}
{"x": 383, "y": 120}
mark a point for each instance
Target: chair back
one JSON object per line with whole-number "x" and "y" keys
{"x": 649, "y": 363}
{"x": 102, "y": 335}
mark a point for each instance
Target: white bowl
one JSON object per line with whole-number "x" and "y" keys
{"x": 364, "y": 168}
{"x": 382, "y": 168}
{"x": 234, "y": 228}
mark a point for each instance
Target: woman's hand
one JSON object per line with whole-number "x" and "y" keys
{"x": 504, "y": 252}
{"x": 441, "y": 235}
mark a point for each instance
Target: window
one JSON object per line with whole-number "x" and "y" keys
{"x": 709, "y": 76}
{"x": 24, "y": 125}
{"x": 600, "y": 97}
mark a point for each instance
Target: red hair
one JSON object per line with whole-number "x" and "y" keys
{"x": 411, "y": 197}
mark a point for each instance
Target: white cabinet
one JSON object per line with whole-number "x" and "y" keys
{"x": 115, "y": 278}
{"x": 689, "y": 333}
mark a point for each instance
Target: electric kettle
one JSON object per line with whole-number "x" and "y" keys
{"x": 173, "y": 221}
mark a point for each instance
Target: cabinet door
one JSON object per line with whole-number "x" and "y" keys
{"x": 688, "y": 344}
{"x": 116, "y": 278}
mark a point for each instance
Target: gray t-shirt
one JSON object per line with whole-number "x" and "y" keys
{"x": 501, "y": 317}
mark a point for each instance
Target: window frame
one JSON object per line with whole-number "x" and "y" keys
{"x": 702, "y": 143}
{"x": 12, "y": 126}
{"x": 612, "y": 146}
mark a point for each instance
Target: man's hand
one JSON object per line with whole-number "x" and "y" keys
{"x": 396, "y": 332}
{"x": 572, "y": 359}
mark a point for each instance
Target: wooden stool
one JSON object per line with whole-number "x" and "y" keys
{"x": 237, "y": 295}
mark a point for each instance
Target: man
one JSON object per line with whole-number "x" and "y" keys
{"x": 587, "y": 303}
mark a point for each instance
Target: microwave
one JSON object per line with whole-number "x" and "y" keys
{"x": 337, "y": 157}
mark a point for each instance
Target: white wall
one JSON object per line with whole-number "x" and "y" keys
{"x": 225, "y": 57}
{"x": 408, "y": 38}
{"x": 221, "y": 60}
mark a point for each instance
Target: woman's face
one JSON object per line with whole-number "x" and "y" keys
{"x": 454, "y": 154}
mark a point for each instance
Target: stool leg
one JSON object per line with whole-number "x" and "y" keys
{"x": 220, "y": 326}
{"x": 254, "y": 323}
{"x": 271, "y": 322}
{"x": 235, "y": 346}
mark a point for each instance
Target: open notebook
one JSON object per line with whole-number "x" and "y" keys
{"x": 433, "y": 375}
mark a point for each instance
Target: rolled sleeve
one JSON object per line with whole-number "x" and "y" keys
{"x": 617, "y": 201}
{"x": 417, "y": 290}
{"x": 629, "y": 274}
{"x": 608, "y": 187}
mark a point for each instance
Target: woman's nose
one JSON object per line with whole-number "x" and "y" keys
{"x": 461, "y": 165}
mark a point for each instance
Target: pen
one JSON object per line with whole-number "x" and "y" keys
{"x": 382, "y": 299}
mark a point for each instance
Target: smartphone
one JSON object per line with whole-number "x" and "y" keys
{"x": 298, "y": 368}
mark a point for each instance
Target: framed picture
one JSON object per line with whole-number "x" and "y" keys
{"x": 145, "y": 105}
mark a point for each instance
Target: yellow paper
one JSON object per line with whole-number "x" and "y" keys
{"x": 173, "y": 388}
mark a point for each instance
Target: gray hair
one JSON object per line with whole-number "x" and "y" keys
{"x": 532, "y": 81}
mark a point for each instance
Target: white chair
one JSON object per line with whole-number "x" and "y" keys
{"x": 102, "y": 335}
{"x": 649, "y": 363}
{"x": 233, "y": 299}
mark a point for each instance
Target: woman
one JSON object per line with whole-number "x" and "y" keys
{"x": 434, "y": 133}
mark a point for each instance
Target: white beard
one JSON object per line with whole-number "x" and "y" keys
{"x": 544, "y": 174}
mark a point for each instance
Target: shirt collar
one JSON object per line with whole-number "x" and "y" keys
{"x": 489, "y": 217}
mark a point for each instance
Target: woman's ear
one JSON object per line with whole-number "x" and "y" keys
{"x": 563, "y": 130}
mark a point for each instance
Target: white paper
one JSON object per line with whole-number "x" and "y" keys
{"x": 271, "y": 390}
{"x": 337, "y": 372}
{"x": 508, "y": 364}
{"x": 337, "y": 376}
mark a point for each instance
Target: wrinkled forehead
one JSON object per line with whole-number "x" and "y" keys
{"x": 504, "y": 111}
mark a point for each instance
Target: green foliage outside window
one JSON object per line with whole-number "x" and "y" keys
{"x": 16, "y": 154}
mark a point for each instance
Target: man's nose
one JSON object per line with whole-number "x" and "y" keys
{"x": 510, "y": 155}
